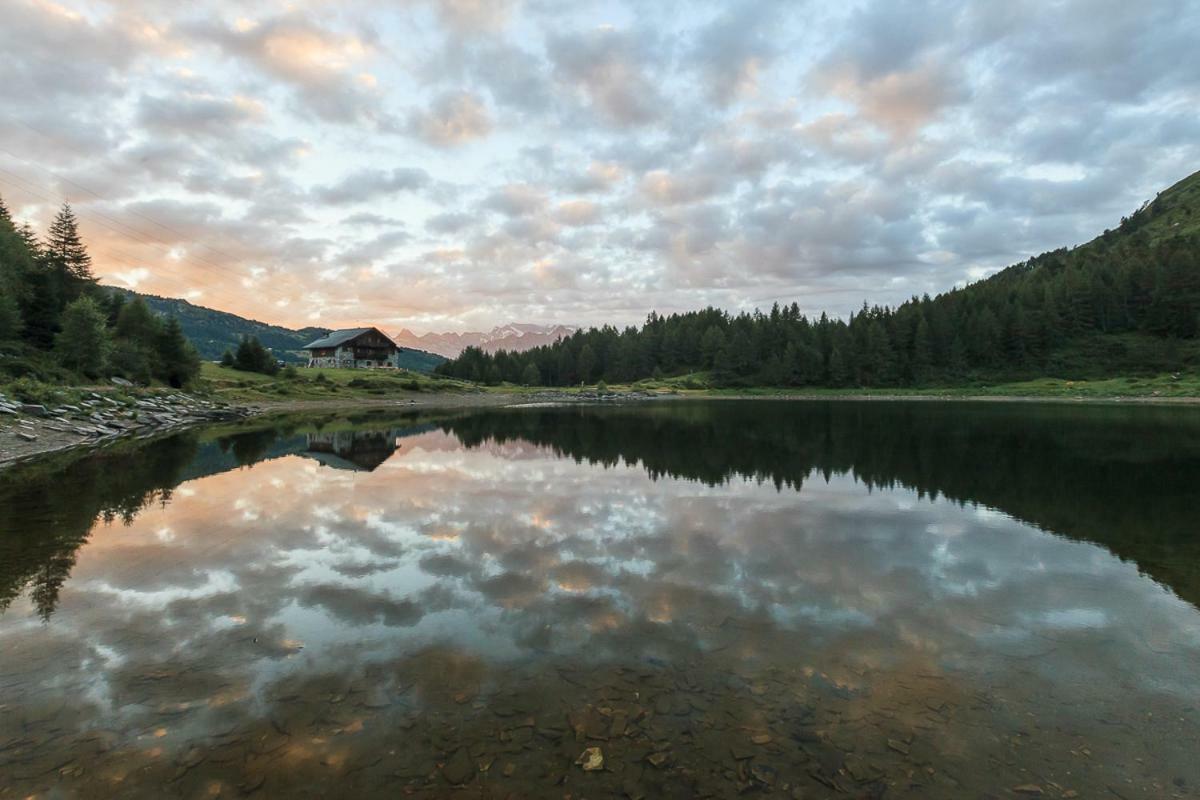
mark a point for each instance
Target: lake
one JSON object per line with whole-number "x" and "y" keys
{"x": 672, "y": 599}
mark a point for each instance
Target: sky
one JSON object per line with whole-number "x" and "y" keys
{"x": 457, "y": 164}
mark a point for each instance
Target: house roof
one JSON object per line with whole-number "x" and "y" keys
{"x": 336, "y": 338}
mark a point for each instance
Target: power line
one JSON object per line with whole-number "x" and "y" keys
{"x": 120, "y": 256}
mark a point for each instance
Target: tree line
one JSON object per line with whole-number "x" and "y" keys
{"x": 1128, "y": 302}
{"x": 52, "y": 308}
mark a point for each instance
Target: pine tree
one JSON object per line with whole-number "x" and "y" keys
{"x": 227, "y": 359}
{"x": 10, "y": 316}
{"x": 531, "y": 376}
{"x": 180, "y": 361}
{"x": 587, "y": 363}
{"x": 839, "y": 370}
{"x": 251, "y": 356}
{"x": 922, "y": 359}
{"x": 5, "y": 216}
{"x": 566, "y": 367}
{"x": 83, "y": 344}
{"x": 65, "y": 249}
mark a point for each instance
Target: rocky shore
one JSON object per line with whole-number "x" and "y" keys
{"x": 29, "y": 430}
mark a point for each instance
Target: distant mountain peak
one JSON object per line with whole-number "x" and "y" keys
{"x": 518, "y": 336}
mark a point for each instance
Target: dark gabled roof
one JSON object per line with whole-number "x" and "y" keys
{"x": 341, "y": 337}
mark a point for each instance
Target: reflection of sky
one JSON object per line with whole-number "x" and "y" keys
{"x": 511, "y": 553}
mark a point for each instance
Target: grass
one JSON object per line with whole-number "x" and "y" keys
{"x": 699, "y": 385}
{"x": 233, "y": 385}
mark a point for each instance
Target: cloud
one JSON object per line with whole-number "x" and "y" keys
{"x": 516, "y": 200}
{"x": 613, "y": 69}
{"x": 583, "y": 163}
{"x": 325, "y": 67}
{"x": 578, "y": 212}
{"x": 453, "y": 119}
{"x": 370, "y": 184}
{"x": 474, "y": 16}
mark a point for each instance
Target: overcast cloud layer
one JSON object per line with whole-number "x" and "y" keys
{"x": 461, "y": 163}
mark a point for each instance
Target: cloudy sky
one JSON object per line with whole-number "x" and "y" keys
{"x": 454, "y": 164}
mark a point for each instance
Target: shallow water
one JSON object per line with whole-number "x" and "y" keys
{"x": 807, "y": 600}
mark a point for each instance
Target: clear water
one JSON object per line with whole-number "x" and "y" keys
{"x": 846, "y": 599}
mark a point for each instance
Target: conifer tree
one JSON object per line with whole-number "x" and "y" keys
{"x": 10, "y": 316}
{"x": 83, "y": 343}
{"x": 180, "y": 361}
{"x": 65, "y": 250}
{"x": 586, "y": 364}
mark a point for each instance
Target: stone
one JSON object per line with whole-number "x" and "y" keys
{"x": 1029, "y": 790}
{"x": 460, "y": 768}
{"x": 29, "y": 437}
{"x": 898, "y": 746}
{"x": 764, "y": 774}
{"x": 658, "y": 760}
{"x": 591, "y": 759}
{"x": 121, "y": 382}
{"x": 9, "y": 411}
{"x": 761, "y": 738}
{"x": 33, "y": 409}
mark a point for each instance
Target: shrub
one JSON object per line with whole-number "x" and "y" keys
{"x": 601, "y": 387}
{"x": 28, "y": 390}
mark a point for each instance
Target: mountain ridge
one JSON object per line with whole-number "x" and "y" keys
{"x": 213, "y": 331}
{"x": 512, "y": 336}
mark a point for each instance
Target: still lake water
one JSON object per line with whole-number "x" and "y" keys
{"x": 848, "y": 599}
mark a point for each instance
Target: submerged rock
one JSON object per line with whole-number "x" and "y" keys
{"x": 460, "y": 768}
{"x": 591, "y": 759}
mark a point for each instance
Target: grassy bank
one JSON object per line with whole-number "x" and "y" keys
{"x": 321, "y": 384}
{"x": 1168, "y": 386}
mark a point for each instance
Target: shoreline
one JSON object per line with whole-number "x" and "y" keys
{"x": 15, "y": 451}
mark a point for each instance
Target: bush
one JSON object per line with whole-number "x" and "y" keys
{"x": 321, "y": 378}
{"x": 601, "y": 387}
{"x": 289, "y": 373}
{"x": 28, "y": 390}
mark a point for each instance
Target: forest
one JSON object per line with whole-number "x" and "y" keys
{"x": 58, "y": 324}
{"x": 1125, "y": 303}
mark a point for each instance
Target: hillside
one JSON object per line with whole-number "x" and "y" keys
{"x": 213, "y": 332}
{"x": 1125, "y": 304}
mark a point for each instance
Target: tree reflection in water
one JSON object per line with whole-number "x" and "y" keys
{"x": 823, "y": 598}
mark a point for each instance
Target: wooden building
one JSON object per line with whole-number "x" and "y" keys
{"x": 354, "y": 348}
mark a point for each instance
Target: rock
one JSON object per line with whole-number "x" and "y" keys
{"x": 33, "y": 409}
{"x": 1029, "y": 789}
{"x": 459, "y": 769}
{"x": 121, "y": 382}
{"x": 658, "y": 760}
{"x": 6, "y": 410}
{"x": 764, "y": 774}
{"x": 591, "y": 759}
{"x": 898, "y": 746}
{"x": 29, "y": 437}
{"x": 761, "y": 738}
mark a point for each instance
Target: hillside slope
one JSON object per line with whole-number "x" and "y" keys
{"x": 213, "y": 332}
{"x": 1125, "y": 304}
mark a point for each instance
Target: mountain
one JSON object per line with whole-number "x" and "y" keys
{"x": 213, "y": 332}
{"x": 514, "y": 337}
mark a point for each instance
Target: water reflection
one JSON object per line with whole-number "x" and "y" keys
{"x": 723, "y": 597}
